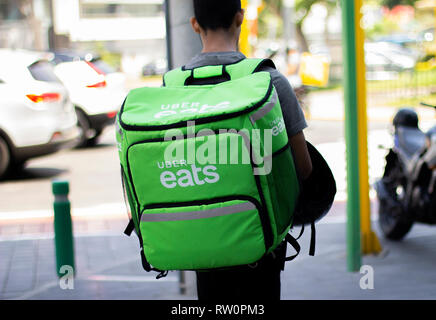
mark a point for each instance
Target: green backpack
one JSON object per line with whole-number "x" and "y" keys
{"x": 207, "y": 169}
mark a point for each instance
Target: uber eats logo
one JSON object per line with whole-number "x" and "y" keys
{"x": 187, "y": 176}
{"x": 190, "y": 158}
{"x": 189, "y": 107}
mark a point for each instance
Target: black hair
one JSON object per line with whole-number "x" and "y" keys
{"x": 216, "y": 14}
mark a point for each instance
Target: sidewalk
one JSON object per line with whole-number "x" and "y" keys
{"x": 404, "y": 270}
{"x": 329, "y": 106}
{"x": 108, "y": 266}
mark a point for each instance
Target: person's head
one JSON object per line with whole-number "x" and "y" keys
{"x": 217, "y": 17}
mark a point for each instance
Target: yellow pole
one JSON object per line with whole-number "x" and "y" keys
{"x": 244, "y": 45}
{"x": 370, "y": 243}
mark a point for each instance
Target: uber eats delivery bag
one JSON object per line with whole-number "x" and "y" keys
{"x": 207, "y": 169}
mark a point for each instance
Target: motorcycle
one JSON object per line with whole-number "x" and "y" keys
{"x": 407, "y": 191}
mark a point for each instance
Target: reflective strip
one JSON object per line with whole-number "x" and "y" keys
{"x": 200, "y": 214}
{"x": 118, "y": 128}
{"x": 259, "y": 114}
{"x": 61, "y": 198}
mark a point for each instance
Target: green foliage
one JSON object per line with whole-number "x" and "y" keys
{"x": 269, "y": 16}
{"x": 388, "y": 24}
{"x": 273, "y": 9}
{"x": 302, "y": 8}
{"x": 392, "y": 3}
{"x": 384, "y": 26}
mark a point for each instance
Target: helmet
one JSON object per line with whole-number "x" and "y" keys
{"x": 317, "y": 192}
{"x": 406, "y": 117}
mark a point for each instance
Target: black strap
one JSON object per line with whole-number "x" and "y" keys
{"x": 124, "y": 188}
{"x": 162, "y": 274}
{"x": 147, "y": 267}
{"x": 130, "y": 227}
{"x": 312, "y": 239}
{"x": 223, "y": 77}
{"x": 301, "y": 232}
{"x": 293, "y": 242}
{"x": 145, "y": 263}
{"x": 265, "y": 63}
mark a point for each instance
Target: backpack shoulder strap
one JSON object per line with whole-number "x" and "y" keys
{"x": 181, "y": 76}
{"x": 176, "y": 77}
{"x": 248, "y": 66}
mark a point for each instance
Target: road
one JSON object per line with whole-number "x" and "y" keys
{"x": 93, "y": 173}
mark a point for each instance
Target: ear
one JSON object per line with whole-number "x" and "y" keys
{"x": 239, "y": 17}
{"x": 194, "y": 24}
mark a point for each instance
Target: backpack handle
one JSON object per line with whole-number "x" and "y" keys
{"x": 208, "y": 72}
{"x": 218, "y": 73}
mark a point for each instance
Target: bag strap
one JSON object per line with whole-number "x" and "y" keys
{"x": 312, "y": 239}
{"x": 301, "y": 232}
{"x": 147, "y": 267}
{"x": 129, "y": 229}
{"x": 293, "y": 242}
{"x": 183, "y": 76}
{"x": 131, "y": 225}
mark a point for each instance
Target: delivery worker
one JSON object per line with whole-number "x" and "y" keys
{"x": 218, "y": 22}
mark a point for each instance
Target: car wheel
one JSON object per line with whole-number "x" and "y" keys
{"x": 84, "y": 126}
{"x": 93, "y": 141}
{"x": 5, "y": 157}
{"x": 17, "y": 166}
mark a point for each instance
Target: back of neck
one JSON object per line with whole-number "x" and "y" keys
{"x": 219, "y": 41}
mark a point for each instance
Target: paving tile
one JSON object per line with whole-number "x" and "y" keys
{"x": 11, "y": 230}
{"x": 31, "y": 228}
{"x": 404, "y": 271}
{"x": 22, "y": 275}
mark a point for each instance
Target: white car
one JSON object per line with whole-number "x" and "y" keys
{"x": 96, "y": 95}
{"x": 36, "y": 114}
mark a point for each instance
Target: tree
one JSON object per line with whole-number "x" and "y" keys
{"x": 392, "y": 3}
{"x": 303, "y": 7}
{"x": 302, "y": 10}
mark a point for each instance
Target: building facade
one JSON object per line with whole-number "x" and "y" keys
{"x": 134, "y": 29}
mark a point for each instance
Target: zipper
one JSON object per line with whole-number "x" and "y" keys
{"x": 264, "y": 220}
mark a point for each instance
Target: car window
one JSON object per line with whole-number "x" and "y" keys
{"x": 43, "y": 71}
{"x": 101, "y": 65}
{"x": 77, "y": 72}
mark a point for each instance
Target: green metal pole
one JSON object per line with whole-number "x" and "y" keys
{"x": 62, "y": 226}
{"x": 351, "y": 135}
